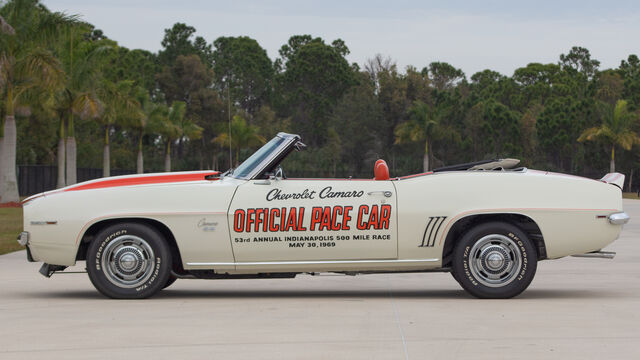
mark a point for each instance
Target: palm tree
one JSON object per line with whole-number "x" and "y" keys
{"x": 422, "y": 126}
{"x": 26, "y": 65}
{"x": 81, "y": 62}
{"x": 5, "y": 29}
{"x": 120, "y": 107}
{"x": 243, "y": 136}
{"x": 151, "y": 113}
{"x": 171, "y": 124}
{"x": 616, "y": 129}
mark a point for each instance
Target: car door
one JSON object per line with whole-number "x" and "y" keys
{"x": 300, "y": 219}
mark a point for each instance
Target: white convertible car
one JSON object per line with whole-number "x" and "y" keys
{"x": 487, "y": 223}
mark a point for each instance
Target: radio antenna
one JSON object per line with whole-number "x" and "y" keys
{"x": 229, "y": 113}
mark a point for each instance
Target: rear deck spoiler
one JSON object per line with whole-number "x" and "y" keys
{"x": 616, "y": 179}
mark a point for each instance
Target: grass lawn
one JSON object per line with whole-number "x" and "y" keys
{"x": 630, "y": 195}
{"x": 10, "y": 227}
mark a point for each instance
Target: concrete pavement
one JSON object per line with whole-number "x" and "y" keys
{"x": 575, "y": 309}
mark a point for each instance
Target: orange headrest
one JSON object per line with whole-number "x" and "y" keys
{"x": 381, "y": 170}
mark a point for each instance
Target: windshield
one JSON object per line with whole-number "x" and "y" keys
{"x": 257, "y": 158}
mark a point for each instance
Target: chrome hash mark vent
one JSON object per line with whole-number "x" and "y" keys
{"x": 431, "y": 231}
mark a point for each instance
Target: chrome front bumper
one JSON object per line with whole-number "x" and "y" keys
{"x": 620, "y": 218}
{"x": 23, "y": 238}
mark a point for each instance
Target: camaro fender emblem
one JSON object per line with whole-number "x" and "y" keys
{"x": 431, "y": 231}
{"x": 205, "y": 225}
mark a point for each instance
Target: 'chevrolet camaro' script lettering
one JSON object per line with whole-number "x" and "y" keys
{"x": 326, "y": 193}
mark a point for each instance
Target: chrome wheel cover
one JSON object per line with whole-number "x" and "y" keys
{"x": 128, "y": 261}
{"x": 495, "y": 260}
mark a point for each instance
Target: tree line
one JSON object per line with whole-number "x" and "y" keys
{"x": 73, "y": 97}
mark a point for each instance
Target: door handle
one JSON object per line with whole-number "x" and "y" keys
{"x": 385, "y": 193}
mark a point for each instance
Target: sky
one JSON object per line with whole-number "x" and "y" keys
{"x": 471, "y": 35}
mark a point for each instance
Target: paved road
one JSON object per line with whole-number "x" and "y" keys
{"x": 575, "y": 309}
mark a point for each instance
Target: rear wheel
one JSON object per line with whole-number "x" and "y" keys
{"x": 494, "y": 260}
{"x": 129, "y": 261}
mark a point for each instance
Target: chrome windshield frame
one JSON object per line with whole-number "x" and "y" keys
{"x": 290, "y": 141}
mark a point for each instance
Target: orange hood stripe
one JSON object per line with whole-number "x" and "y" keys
{"x": 142, "y": 180}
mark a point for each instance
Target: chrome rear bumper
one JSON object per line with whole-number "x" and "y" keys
{"x": 619, "y": 218}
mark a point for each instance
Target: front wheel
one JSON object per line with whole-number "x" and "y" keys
{"x": 494, "y": 260}
{"x": 129, "y": 261}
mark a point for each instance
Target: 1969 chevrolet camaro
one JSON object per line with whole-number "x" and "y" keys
{"x": 487, "y": 223}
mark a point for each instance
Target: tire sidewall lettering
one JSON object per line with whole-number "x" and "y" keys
{"x": 156, "y": 271}
{"x": 104, "y": 243}
{"x": 523, "y": 256}
{"x": 465, "y": 264}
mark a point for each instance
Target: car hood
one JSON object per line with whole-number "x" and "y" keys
{"x": 136, "y": 180}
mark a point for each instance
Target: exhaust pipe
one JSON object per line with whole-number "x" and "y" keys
{"x": 598, "y": 254}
